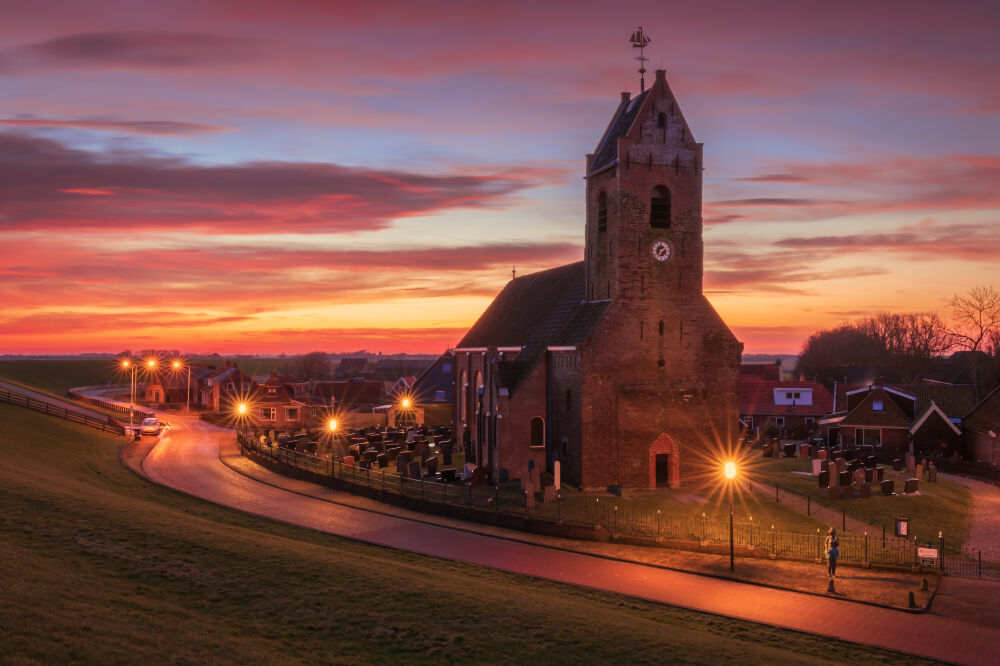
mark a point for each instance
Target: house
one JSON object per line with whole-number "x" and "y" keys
{"x": 221, "y": 390}
{"x": 616, "y": 366}
{"x": 793, "y": 407}
{"x": 766, "y": 371}
{"x": 174, "y": 388}
{"x": 981, "y": 430}
{"x": 924, "y": 417}
{"x": 273, "y": 405}
{"x": 351, "y": 394}
{"x": 434, "y": 389}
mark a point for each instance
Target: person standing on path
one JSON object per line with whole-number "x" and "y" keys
{"x": 832, "y": 552}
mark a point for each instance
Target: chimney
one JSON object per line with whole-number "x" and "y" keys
{"x": 626, "y": 96}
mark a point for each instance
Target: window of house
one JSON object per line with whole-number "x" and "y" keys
{"x": 446, "y": 367}
{"x": 749, "y": 421}
{"x": 602, "y": 212}
{"x": 268, "y": 413}
{"x": 291, "y": 413}
{"x": 230, "y": 386}
{"x": 537, "y": 432}
{"x": 877, "y": 406}
{"x": 272, "y": 391}
{"x": 810, "y": 421}
{"x": 871, "y": 437}
{"x": 439, "y": 395}
{"x": 659, "y": 208}
{"x": 779, "y": 421}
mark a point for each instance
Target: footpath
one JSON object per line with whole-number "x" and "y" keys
{"x": 879, "y": 587}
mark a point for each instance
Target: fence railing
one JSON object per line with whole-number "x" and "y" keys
{"x": 103, "y": 424}
{"x": 645, "y": 526}
{"x": 112, "y": 406}
{"x": 821, "y": 503}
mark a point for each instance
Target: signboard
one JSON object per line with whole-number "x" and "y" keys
{"x": 928, "y": 556}
{"x": 902, "y": 526}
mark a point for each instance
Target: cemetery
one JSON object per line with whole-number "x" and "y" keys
{"x": 866, "y": 483}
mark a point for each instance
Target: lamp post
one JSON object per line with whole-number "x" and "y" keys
{"x": 187, "y": 392}
{"x": 730, "y": 471}
{"x": 130, "y": 366}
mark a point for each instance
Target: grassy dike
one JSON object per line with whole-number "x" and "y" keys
{"x": 98, "y": 565}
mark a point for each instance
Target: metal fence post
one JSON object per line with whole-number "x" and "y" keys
{"x": 616, "y": 519}
{"x": 659, "y": 530}
{"x": 496, "y": 498}
{"x": 941, "y": 551}
{"x": 843, "y": 525}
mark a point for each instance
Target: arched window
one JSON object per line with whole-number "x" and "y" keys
{"x": 569, "y": 401}
{"x": 537, "y": 431}
{"x": 659, "y": 208}
{"x": 478, "y": 389}
{"x": 661, "y": 120}
{"x": 602, "y": 212}
{"x": 463, "y": 393}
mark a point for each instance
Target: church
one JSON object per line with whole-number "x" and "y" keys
{"x": 616, "y": 366}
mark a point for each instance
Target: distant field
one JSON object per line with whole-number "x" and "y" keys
{"x": 100, "y": 566}
{"x": 57, "y": 377}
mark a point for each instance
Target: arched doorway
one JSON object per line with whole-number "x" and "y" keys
{"x": 664, "y": 463}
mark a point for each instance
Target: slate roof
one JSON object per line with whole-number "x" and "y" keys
{"x": 890, "y": 416}
{"x": 438, "y": 377}
{"x": 757, "y": 397}
{"x": 607, "y": 148}
{"x": 955, "y": 400}
{"x": 534, "y": 312}
{"x": 985, "y": 416}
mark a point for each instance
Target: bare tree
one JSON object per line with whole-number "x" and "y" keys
{"x": 975, "y": 317}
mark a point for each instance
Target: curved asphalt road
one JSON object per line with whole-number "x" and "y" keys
{"x": 186, "y": 458}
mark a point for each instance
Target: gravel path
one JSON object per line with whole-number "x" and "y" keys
{"x": 984, "y": 523}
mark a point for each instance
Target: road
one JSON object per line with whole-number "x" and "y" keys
{"x": 186, "y": 458}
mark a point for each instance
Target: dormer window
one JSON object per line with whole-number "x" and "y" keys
{"x": 602, "y": 212}
{"x": 659, "y": 208}
{"x": 272, "y": 391}
{"x": 877, "y": 406}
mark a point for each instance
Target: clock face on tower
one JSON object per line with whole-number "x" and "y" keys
{"x": 661, "y": 250}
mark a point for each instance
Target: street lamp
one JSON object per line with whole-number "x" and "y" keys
{"x": 130, "y": 367}
{"x": 187, "y": 393}
{"x": 332, "y": 425}
{"x": 729, "y": 469}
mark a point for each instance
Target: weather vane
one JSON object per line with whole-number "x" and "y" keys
{"x": 639, "y": 41}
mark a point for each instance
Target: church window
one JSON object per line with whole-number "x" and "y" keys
{"x": 661, "y": 328}
{"x": 537, "y": 432}
{"x": 661, "y": 120}
{"x": 463, "y": 391}
{"x": 602, "y": 212}
{"x": 569, "y": 400}
{"x": 659, "y": 208}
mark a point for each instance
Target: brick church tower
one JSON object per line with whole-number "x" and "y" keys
{"x": 616, "y": 366}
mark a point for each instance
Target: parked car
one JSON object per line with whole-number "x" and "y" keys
{"x": 150, "y": 426}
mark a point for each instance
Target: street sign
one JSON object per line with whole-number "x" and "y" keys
{"x": 928, "y": 556}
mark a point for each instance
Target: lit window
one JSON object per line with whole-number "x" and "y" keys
{"x": 439, "y": 395}
{"x": 272, "y": 391}
{"x": 267, "y": 413}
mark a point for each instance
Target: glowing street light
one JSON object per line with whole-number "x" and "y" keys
{"x": 130, "y": 367}
{"x": 241, "y": 409}
{"x": 177, "y": 365}
{"x": 332, "y": 425}
{"x": 729, "y": 469}
{"x": 406, "y": 403}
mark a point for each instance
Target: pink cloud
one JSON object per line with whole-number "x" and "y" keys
{"x": 155, "y": 127}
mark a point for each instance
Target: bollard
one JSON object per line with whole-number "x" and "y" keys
{"x": 615, "y": 532}
{"x": 911, "y": 601}
{"x": 830, "y": 589}
{"x": 923, "y": 585}
{"x": 659, "y": 532}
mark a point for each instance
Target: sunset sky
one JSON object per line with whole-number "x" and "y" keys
{"x": 265, "y": 177}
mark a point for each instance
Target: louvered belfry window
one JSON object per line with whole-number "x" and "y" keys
{"x": 602, "y": 212}
{"x": 659, "y": 208}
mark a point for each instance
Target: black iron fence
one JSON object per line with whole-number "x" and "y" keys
{"x": 596, "y": 520}
{"x": 103, "y": 424}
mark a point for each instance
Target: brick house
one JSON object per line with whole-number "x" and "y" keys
{"x": 273, "y": 405}
{"x": 223, "y": 389}
{"x": 793, "y": 407}
{"x": 617, "y": 366}
{"x": 981, "y": 430}
{"x": 170, "y": 387}
{"x": 434, "y": 390}
{"x": 894, "y": 418}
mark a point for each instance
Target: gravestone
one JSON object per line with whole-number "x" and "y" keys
{"x": 391, "y": 453}
{"x": 413, "y": 469}
{"x": 803, "y": 451}
{"x": 403, "y": 461}
{"x": 529, "y": 500}
{"x": 557, "y": 474}
{"x": 859, "y": 475}
{"x": 897, "y": 465}
{"x": 365, "y": 464}
{"x": 468, "y": 470}
{"x": 888, "y": 487}
{"x": 479, "y": 477}
{"x": 912, "y": 486}
{"x": 382, "y": 461}
{"x": 348, "y": 460}
{"x": 849, "y": 454}
{"x": 845, "y": 478}
{"x": 821, "y": 454}
{"x": 918, "y": 473}
{"x": 768, "y": 451}
{"x": 817, "y": 466}
{"x": 371, "y": 455}
{"x": 869, "y": 475}
{"x": 789, "y": 450}
{"x": 841, "y": 465}
{"x": 355, "y": 451}
{"x": 833, "y": 476}
{"x": 870, "y": 461}
{"x": 446, "y": 451}
{"x": 448, "y": 474}
{"x": 550, "y": 494}
{"x": 432, "y": 465}
{"x": 775, "y": 448}
{"x": 932, "y": 473}
{"x": 824, "y": 479}
{"x": 879, "y": 474}
{"x": 865, "y": 489}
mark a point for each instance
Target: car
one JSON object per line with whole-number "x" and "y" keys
{"x": 150, "y": 426}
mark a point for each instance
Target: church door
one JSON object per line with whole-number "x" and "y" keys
{"x": 662, "y": 470}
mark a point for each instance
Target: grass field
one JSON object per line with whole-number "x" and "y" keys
{"x": 943, "y": 506}
{"x": 99, "y": 565}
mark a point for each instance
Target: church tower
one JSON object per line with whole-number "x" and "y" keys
{"x": 644, "y": 224}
